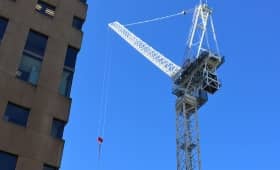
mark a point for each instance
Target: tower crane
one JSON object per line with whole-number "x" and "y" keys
{"x": 192, "y": 82}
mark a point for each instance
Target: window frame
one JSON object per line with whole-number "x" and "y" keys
{"x": 6, "y": 114}
{"x": 80, "y": 27}
{"x": 32, "y": 52}
{"x": 45, "y": 8}
{"x": 49, "y": 167}
{"x": 31, "y": 55}
{"x": 67, "y": 90}
{"x": 62, "y": 122}
{"x": 70, "y": 70}
{"x": 10, "y": 155}
{"x": 5, "y": 29}
{"x": 66, "y": 66}
{"x": 83, "y": 1}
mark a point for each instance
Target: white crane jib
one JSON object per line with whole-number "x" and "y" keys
{"x": 163, "y": 63}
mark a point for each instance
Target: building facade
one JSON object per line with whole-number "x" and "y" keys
{"x": 39, "y": 44}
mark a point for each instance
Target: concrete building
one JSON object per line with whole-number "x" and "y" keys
{"x": 39, "y": 43}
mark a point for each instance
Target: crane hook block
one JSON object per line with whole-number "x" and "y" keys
{"x": 100, "y": 140}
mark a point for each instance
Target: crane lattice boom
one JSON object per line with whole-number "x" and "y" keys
{"x": 163, "y": 63}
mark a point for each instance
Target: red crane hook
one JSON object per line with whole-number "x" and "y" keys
{"x": 100, "y": 141}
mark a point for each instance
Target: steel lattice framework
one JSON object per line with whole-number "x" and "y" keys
{"x": 192, "y": 82}
{"x": 163, "y": 63}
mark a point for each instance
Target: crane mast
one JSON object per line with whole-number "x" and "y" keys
{"x": 196, "y": 79}
{"x": 192, "y": 82}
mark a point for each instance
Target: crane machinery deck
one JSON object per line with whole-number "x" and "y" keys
{"x": 192, "y": 82}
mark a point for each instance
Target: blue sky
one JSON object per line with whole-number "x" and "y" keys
{"x": 240, "y": 123}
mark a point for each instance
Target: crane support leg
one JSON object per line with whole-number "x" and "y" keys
{"x": 187, "y": 135}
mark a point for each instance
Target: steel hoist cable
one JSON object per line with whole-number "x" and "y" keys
{"x": 184, "y": 12}
{"x": 104, "y": 99}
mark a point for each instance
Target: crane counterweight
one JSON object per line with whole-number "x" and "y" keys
{"x": 200, "y": 73}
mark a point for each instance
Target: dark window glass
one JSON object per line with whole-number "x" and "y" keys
{"x": 70, "y": 59}
{"x": 36, "y": 43}
{"x": 77, "y": 23}
{"x": 47, "y": 167}
{"x": 3, "y": 26}
{"x": 68, "y": 71}
{"x": 45, "y": 9}
{"x": 31, "y": 61}
{"x": 57, "y": 128}
{"x": 7, "y": 161}
{"x": 16, "y": 114}
{"x": 66, "y": 83}
{"x": 29, "y": 69}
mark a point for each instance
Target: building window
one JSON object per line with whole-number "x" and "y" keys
{"x": 77, "y": 23}
{"x": 66, "y": 83}
{"x": 71, "y": 56}
{"x": 47, "y": 167}
{"x": 68, "y": 71}
{"x": 7, "y": 161}
{"x": 36, "y": 43}
{"x": 45, "y": 9}
{"x": 57, "y": 128}
{"x": 29, "y": 69}
{"x": 3, "y": 26}
{"x": 84, "y": 1}
{"x": 32, "y": 56}
{"x": 16, "y": 114}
